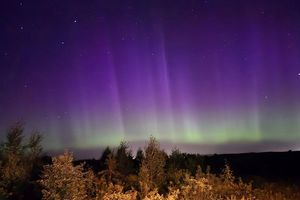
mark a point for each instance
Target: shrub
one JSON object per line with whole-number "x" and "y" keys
{"x": 152, "y": 172}
{"x": 17, "y": 159}
{"x": 62, "y": 180}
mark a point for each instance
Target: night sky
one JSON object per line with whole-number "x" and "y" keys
{"x": 207, "y": 76}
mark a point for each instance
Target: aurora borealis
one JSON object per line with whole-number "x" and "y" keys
{"x": 207, "y": 76}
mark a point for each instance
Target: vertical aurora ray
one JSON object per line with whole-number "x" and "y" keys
{"x": 215, "y": 75}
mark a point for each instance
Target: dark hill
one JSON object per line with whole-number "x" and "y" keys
{"x": 267, "y": 166}
{"x": 273, "y": 166}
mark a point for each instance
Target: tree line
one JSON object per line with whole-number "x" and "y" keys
{"x": 150, "y": 174}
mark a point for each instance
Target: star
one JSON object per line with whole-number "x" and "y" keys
{"x": 299, "y": 74}
{"x": 75, "y": 21}
{"x": 62, "y": 42}
{"x": 21, "y": 4}
{"x": 21, "y": 27}
{"x": 25, "y": 86}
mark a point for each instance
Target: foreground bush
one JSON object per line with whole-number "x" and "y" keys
{"x": 63, "y": 180}
{"x": 152, "y": 175}
{"x": 17, "y": 161}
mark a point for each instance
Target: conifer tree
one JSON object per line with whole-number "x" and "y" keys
{"x": 152, "y": 172}
{"x": 124, "y": 159}
{"x": 17, "y": 159}
{"x": 62, "y": 180}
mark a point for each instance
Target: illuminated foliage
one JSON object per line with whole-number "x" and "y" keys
{"x": 62, "y": 180}
{"x": 17, "y": 159}
{"x": 152, "y": 173}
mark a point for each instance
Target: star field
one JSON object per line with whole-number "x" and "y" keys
{"x": 207, "y": 76}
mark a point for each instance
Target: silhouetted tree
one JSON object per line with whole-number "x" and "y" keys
{"x": 17, "y": 161}
{"x": 139, "y": 155}
{"x": 175, "y": 167}
{"x": 107, "y": 151}
{"x": 138, "y": 160}
{"x": 125, "y": 162}
{"x": 176, "y": 160}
